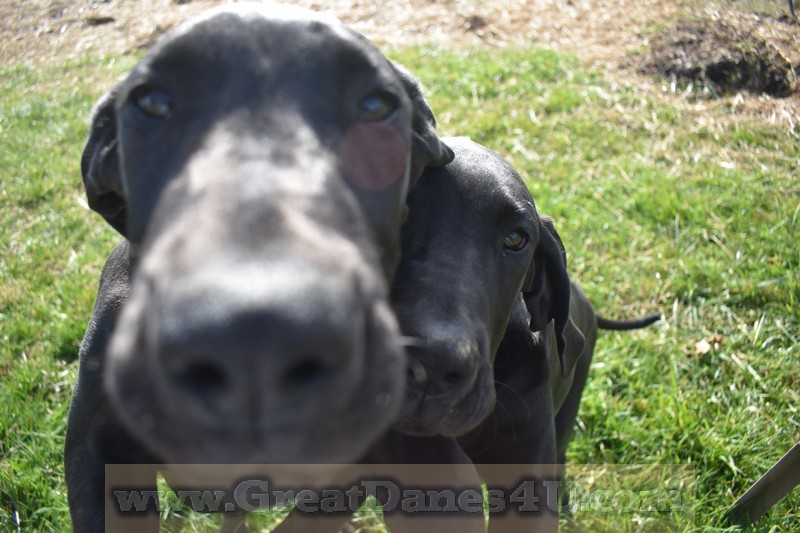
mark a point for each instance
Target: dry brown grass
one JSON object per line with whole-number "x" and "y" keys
{"x": 598, "y": 30}
{"x": 607, "y": 33}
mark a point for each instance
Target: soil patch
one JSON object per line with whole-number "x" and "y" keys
{"x": 730, "y": 52}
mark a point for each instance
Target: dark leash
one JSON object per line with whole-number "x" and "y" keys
{"x": 767, "y": 491}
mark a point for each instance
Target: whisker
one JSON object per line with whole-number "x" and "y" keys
{"x": 488, "y": 435}
{"x": 521, "y": 399}
{"x": 407, "y": 340}
{"x": 513, "y": 426}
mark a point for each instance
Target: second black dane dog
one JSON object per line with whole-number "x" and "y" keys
{"x": 504, "y": 340}
{"x": 257, "y": 160}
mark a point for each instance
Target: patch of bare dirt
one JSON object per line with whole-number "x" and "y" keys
{"x": 730, "y": 51}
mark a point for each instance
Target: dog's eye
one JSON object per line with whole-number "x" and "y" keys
{"x": 516, "y": 240}
{"x": 152, "y": 102}
{"x": 376, "y": 107}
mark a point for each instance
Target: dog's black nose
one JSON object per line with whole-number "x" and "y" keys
{"x": 247, "y": 355}
{"x": 442, "y": 365}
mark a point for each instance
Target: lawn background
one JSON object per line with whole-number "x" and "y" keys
{"x": 665, "y": 202}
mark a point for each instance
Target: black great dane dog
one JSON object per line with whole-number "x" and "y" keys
{"x": 504, "y": 340}
{"x": 257, "y": 161}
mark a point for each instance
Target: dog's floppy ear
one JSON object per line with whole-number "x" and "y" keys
{"x": 100, "y": 166}
{"x": 427, "y": 148}
{"x": 548, "y": 292}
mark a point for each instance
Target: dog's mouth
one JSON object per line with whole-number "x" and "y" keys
{"x": 449, "y": 382}
{"x": 426, "y": 415}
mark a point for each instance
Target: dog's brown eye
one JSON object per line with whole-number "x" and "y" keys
{"x": 376, "y": 107}
{"x": 516, "y": 240}
{"x": 153, "y": 102}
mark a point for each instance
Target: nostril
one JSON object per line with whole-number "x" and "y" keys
{"x": 454, "y": 377}
{"x": 205, "y": 381}
{"x": 452, "y": 372}
{"x": 416, "y": 373}
{"x": 305, "y": 373}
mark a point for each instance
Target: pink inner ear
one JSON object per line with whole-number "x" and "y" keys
{"x": 373, "y": 155}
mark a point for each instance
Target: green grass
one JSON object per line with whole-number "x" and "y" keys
{"x": 51, "y": 248}
{"x": 664, "y": 204}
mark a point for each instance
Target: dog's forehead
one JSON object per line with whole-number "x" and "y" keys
{"x": 249, "y": 31}
{"x": 264, "y": 12}
{"x": 484, "y": 173}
